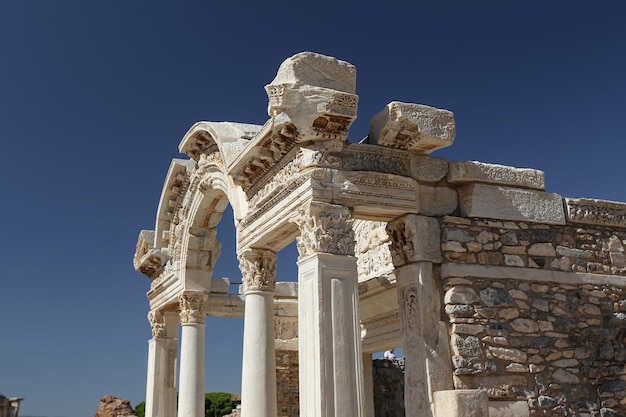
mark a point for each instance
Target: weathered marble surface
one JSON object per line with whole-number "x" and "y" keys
{"x": 473, "y": 171}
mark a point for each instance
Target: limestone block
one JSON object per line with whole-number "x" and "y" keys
{"x": 309, "y": 68}
{"x": 508, "y": 409}
{"x": 437, "y": 201}
{"x": 461, "y": 403}
{"x": 312, "y": 97}
{"x": 414, "y": 127}
{"x": 473, "y": 171}
{"x": 427, "y": 168}
{"x": 490, "y": 201}
{"x": 596, "y": 212}
{"x": 220, "y": 285}
{"x": 373, "y": 194}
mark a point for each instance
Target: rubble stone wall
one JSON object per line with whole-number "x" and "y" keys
{"x": 561, "y": 346}
{"x": 388, "y": 378}
{"x": 287, "y": 387}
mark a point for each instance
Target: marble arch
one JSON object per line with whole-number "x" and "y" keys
{"x": 455, "y": 261}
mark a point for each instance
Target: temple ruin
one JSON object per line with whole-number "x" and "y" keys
{"x": 506, "y": 299}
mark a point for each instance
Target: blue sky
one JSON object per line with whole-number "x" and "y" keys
{"x": 95, "y": 97}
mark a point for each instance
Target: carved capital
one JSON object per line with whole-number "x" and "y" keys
{"x": 414, "y": 238}
{"x": 155, "y": 317}
{"x": 325, "y": 228}
{"x": 193, "y": 307}
{"x": 258, "y": 267}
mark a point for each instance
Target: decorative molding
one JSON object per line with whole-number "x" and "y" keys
{"x": 414, "y": 238}
{"x": 155, "y": 317}
{"x": 258, "y": 267}
{"x": 325, "y": 228}
{"x": 382, "y": 320}
{"x": 193, "y": 307}
{"x": 596, "y": 212}
{"x": 364, "y": 157}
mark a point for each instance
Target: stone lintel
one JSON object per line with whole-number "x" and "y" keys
{"x": 461, "y": 403}
{"x": 595, "y": 212}
{"x": 494, "y": 202}
{"x": 473, "y": 171}
{"x": 414, "y": 127}
{"x": 375, "y": 195}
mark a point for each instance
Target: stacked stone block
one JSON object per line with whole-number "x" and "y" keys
{"x": 560, "y": 346}
{"x": 522, "y": 244}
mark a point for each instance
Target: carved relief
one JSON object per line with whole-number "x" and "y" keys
{"x": 589, "y": 211}
{"x": 151, "y": 264}
{"x": 401, "y": 244}
{"x": 374, "y": 158}
{"x": 285, "y": 328}
{"x": 258, "y": 267}
{"x": 155, "y": 317}
{"x": 278, "y": 181}
{"x": 192, "y": 307}
{"x": 372, "y": 248}
{"x": 325, "y": 228}
{"x": 382, "y": 320}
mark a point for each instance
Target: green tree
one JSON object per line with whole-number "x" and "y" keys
{"x": 140, "y": 409}
{"x": 218, "y": 404}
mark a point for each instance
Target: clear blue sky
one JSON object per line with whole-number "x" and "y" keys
{"x": 95, "y": 97}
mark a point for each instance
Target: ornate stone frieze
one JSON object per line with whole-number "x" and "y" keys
{"x": 382, "y": 320}
{"x": 598, "y": 212}
{"x": 325, "y": 228}
{"x": 213, "y": 158}
{"x": 279, "y": 179}
{"x": 285, "y": 328}
{"x": 258, "y": 267}
{"x": 155, "y": 317}
{"x": 364, "y": 157}
{"x": 193, "y": 307}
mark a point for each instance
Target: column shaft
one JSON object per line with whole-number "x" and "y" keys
{"x": 191, "y": 394}
{"x": 258, "y": 385}
{"x": 331, "y": 376}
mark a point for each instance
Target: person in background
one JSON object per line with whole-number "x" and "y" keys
{"x": 389, "y": 354}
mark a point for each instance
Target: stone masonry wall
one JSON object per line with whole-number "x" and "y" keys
{"x": 287, "y": 387}
{"x": 560, "y": 347}
{"x": 388, "y": 378}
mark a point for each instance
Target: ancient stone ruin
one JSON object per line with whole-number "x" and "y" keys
{"x": 506, "y": 299}
{"x": 9, "y": 406}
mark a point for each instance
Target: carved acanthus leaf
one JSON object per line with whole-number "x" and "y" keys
{"x": 193, "y": 307}
{"x": 258, "y": 267}
{"x": 325, "y": 228}
{"x": 155, "y": 317}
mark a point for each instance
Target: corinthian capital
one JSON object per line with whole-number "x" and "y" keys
{"x": 258, "y": 267}
{"x": 193, "y": 307}
{"x": 414, "y": 238}
{"x": 155, "y": 317}
{"x": 325, "y": 228}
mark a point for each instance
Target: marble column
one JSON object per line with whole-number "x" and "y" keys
{"x": 331, "y": 367}
{"x": 258, "y": 381}
{"x": 162, "y": 354}
{"x": 192, "y": 319}
{"x": 415, "y": 247}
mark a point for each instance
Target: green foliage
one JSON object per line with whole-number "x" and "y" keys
{"x": 218, "y": 404}
{"x": 140, "y": 409}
